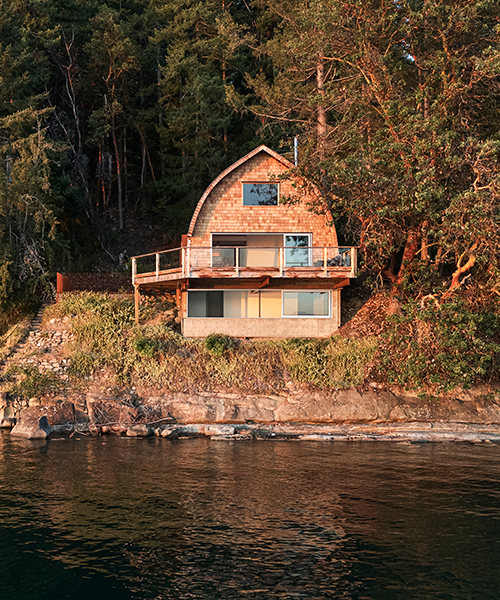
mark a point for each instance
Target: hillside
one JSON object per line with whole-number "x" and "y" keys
{"x": 146, "y": 381}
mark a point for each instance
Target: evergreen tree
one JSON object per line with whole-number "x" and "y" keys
{"x": 200, "y": 133}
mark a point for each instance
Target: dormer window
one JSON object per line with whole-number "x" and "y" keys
{"x": 260, "y": 194}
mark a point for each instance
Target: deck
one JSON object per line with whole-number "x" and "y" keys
{"x": 222, "y": 263}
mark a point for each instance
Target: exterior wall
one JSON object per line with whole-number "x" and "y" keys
{"x": 264, "y": 328}
{"x": 223, "y": 210}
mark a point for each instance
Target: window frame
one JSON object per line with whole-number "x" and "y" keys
{"x": 273, "y": 183}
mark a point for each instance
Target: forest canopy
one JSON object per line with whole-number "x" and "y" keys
{"x": 129, "y": 109}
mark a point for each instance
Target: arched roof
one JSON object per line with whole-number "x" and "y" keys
{"x": 261, "y": 148}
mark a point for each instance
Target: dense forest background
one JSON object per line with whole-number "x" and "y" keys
{"x": 114, "y": 118}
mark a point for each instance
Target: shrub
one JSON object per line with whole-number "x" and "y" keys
{"x": 440, "y": 346}
{"x": 83, "y": 364}
{"x": 218, "y": 344}
{"x": 29, "y": 382}
{"x": 147, "y": 347}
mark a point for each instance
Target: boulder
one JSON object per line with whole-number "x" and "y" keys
{"x": 109, "y": 412}
{"x": 31, "y": 424}
{"x": 139, "y": 431}
{"x": 7, "y": 414}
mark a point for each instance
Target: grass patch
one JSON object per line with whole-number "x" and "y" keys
{"x": 332, "y": 363}
{"x": 157, "y": 356}
{"x": 14, "y": 334}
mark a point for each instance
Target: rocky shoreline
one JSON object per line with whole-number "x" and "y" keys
{"x": 96, "y": 406}
{"x": 347, "y": 415}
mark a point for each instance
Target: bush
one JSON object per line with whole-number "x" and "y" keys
{"x": 218, "y": 344}
{"x": 147, "y": 347}
{"x": 440, "y": 347}
{"x": 29, "y": 382}
{"x": 335, "y": 362}
{"x": 83, "y": 364}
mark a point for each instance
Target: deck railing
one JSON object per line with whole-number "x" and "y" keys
{"x": 233, "y": 261}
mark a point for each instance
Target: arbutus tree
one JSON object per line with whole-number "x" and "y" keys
{"x": 398, "y": 105}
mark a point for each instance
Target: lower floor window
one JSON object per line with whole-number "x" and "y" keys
{"x": 305, "y": 304}
{"x": 256, "y": 304}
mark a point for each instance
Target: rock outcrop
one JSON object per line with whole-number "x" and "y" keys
{"x": 31, "y": 424}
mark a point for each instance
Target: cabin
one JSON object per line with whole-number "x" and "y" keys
{"x": 260, "y": 259}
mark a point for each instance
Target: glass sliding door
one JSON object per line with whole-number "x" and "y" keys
{"x": 255, "y": 304}
{"x": 297, "y": 251}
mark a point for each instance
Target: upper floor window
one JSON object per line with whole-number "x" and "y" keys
{"x": 260, "y": 194}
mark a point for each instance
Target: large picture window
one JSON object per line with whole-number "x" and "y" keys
{"x": 260, "y": 194}
{"x": 258, "y": 304}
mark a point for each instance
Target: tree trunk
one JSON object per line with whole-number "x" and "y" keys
{"x": 410, "y": 251}
{"x": 118, "y": 175}
{"x": 125, "y": 168}
{"x": 321, "y": 111}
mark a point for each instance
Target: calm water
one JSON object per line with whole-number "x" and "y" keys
{"x": 119, "y": 518}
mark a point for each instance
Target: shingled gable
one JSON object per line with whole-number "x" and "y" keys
{"x": 235, "y": 165}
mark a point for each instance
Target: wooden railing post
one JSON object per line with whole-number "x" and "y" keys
{"x": 157, "y": 266}
{"x": 354, "y": 261}
{"x": 325, "y": 261}
{"x": 134, "y": 270}
{"x": 281, "y": 260}
{"x": 237, "y": 251}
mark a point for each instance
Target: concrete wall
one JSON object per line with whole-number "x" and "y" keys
{"x": 264, "y": 328}
{"x": 223, "y": 210}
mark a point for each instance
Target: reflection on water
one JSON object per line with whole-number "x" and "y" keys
{"x": 129, "y": 518}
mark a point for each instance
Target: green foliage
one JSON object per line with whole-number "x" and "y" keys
{"x": 441, "y": 347}
{"x": 218, "y": 344}
{"x": 336, "y": 362}
{"x": 396, "y": 105}
{"x": 147, "y": 347}
{"x": 155, "y": 355}
{"x": 29, "y": 382}
{"x": 83, "y": 364}
{"x": 29, "y": 239}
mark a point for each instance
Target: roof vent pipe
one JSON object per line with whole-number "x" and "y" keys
{"x": 296, "y": 150}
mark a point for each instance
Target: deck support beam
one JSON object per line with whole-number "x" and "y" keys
{"x": 137, "y": 299}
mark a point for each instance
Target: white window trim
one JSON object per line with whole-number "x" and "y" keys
{"x": 309, "y": 246}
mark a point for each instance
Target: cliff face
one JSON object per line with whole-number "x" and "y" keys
{"x": 97, "y": 405}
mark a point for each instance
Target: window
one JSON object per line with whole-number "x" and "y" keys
{"x": 258, "y": 304}
{"x": 297, "y": 250}
{"x": 235, "y": 304}
{"x": 306, "y": 304}
{"x": 260, "y": 194}
{"x": 206, "y": 304}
